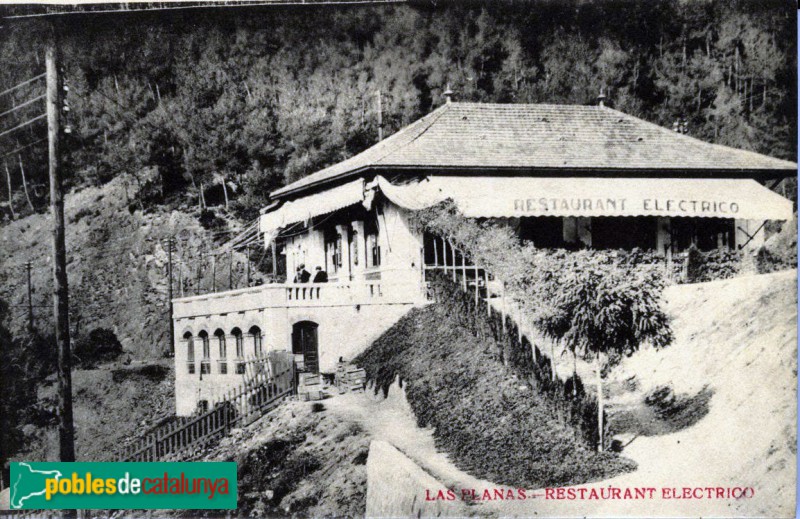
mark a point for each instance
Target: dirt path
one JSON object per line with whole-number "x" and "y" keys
{"x": 738, "y": 337}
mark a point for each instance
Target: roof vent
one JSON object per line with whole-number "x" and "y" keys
{"x": 448, "y": 94}
{"x": 601, "y": 99}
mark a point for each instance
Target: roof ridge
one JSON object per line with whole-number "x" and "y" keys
{"x": 442, "y": 109}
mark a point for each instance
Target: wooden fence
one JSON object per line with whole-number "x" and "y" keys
{"x": 268, "y": 381}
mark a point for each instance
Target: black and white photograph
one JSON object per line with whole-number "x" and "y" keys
{"x": 398, "y": 258}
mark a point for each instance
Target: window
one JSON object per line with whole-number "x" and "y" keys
{"x": 223, "y": 352}
{"x": 237, "y": 336}
{"x": 255, "y": 331}
{"x": 333, "y": 251}
{"x": 205, "y": 362}
{"x": 189, "y": 351}
{"x": 206, "y": 344}
{"x": 239, "y": 339}
{"x": 371, "y": 243}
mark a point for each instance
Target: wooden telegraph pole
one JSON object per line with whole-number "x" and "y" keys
{"x": 28, "y": 267}
{"x": 60, "y": 295}
{"x": 170, "y": 242}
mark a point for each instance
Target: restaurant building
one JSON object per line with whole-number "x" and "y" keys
{"x": 559, "y": 175}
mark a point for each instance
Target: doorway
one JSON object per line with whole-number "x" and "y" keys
{"x": 304, "y": 342}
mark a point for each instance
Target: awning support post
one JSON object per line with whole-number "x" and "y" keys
{"x": 464, "y": 270}
{"x": 453, "y": 251}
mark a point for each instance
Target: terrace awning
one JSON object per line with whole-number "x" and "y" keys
{"x": 487, "y": 197}
{"x": 305, "y": 208}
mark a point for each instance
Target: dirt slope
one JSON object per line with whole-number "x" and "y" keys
{"x": 116, "y": 264}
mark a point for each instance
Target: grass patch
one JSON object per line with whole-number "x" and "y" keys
{"x": 493, "y": 424}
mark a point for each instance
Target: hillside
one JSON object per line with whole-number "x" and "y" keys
{"x": 728, "y": 420}
{"x": 117, "y": 273}
{"x": 490, "y": 422}
{"x": 258, "y": 97}
{"x": 116, "y": 265}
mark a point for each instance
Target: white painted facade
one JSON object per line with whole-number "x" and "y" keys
{"x": 358, "y": 303}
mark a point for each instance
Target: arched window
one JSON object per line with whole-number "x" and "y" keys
{"x": 239, "y": 338}
{"x": 223, "y": 351}
{"x": 205, "y": 362}
{"x": 237, "y": 335}
{"x": 255, "y": 332}
{"x": 220, "y": 335}
{"x": 206, "y": 344}
{"x": 189, "y": 351}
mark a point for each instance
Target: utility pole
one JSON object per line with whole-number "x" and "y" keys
{"x": 275, "y": 260}
{"x": 248, "y": 265}
{"x": 214, "y": 273}
{"x": 380, "y": 116}
{"x": 28, "y": 267}
{"x": 170, "y": 241}
{"x": 61, "y": 293}
{"x": 230, "y": 270}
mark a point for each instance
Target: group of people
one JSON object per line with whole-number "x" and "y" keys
{"x": 304, "y": 276}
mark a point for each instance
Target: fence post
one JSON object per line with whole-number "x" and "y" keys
{"x": 153, "y": 446}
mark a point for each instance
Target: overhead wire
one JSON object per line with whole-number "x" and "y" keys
{"x": 26, "y": 123}
{"x": 19, "y": 85}
{"x": 23, "y": 147}
{"x": 23, "y": 105}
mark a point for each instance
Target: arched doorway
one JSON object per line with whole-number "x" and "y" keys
{"x": 304, "y": 342}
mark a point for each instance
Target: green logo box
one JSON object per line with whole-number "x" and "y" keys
{"x": 116, "y": 486}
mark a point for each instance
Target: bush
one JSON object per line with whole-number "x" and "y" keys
{"x": 711, "y": 265}
{"x": 210, "y": 221}
{"x": 768, "y": 261}
{"x": 100, "y": 345}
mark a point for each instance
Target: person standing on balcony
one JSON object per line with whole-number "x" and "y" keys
{"x": 302, "y": 275}
{"x": 320, "y": 276}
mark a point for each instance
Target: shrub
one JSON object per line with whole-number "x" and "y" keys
{"x": 210, "y": 221}
{"x": 100, "y": 345}
{"x": 768, "y": 261}
{"x": 711, "y": 265}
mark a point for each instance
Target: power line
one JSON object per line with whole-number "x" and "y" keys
{"x": 26, "y": 103}
{"x": 24, "y": 147}
{"x": 26, "y": 123}
{"x": 212, "y": 5}
{"x": 31, "y": 80}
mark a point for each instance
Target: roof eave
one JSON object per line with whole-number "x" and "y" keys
{"x": 763, "y": 173}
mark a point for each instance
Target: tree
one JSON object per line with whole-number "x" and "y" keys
{"x": 606, "y": 307}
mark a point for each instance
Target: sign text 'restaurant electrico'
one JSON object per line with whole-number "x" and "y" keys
{"x": 623, "y": 205}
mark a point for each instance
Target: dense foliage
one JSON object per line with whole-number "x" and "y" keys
{"x": 711, "y": 265}
{"x": 230, "y": 106}
{"x": 24, "y": 362}
{"x": 594, "y": 301}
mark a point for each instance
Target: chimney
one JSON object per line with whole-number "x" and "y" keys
{"x": 448, "y": 94}
{"x": 601, "y": 99}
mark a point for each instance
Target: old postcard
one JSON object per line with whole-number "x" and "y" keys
{"x": 399, "y": 258}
